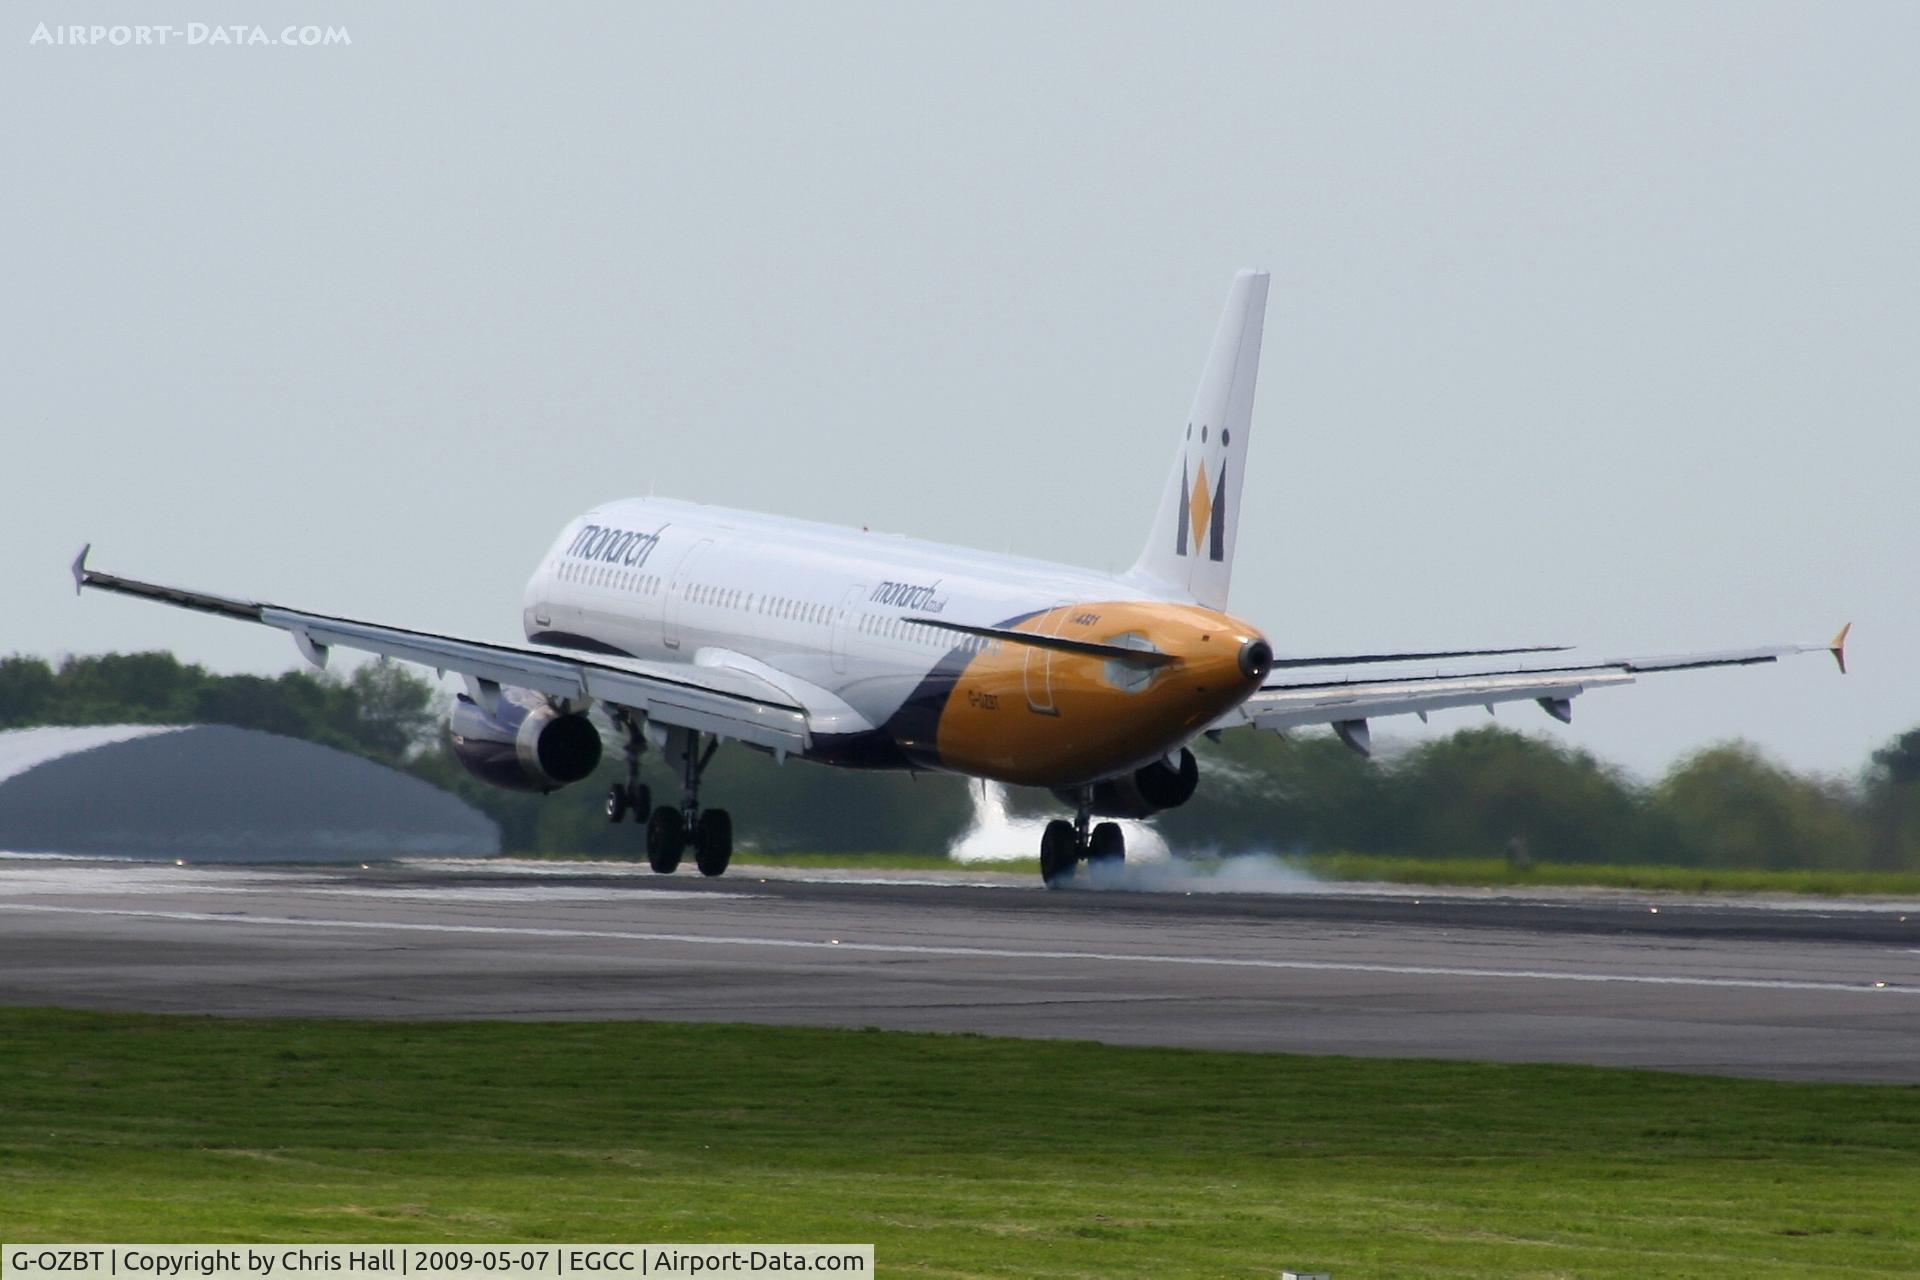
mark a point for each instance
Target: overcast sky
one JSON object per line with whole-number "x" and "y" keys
{"x": 1588, "y": 324}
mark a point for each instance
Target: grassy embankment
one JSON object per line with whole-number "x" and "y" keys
{"x": 955, "y": 1155}
{"x": 1461, "y": 872}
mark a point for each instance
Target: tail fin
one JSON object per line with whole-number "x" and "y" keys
{"x": 1191, "y": 546}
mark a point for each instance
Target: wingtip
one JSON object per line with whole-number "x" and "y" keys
{"x": 1839, "y": 648}
{"x": 80, "y": 568}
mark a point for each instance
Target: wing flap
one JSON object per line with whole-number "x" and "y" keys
{"x": 1365, "y": 700}
{"x": 731, "y": 703}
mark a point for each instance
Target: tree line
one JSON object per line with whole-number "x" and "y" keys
{"x": 1480, "y": 792}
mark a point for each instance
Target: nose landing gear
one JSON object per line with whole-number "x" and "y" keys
{"x": 1064, "y": 845}
{"x": 632, "y": 796}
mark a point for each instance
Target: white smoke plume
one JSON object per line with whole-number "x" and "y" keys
{"x": 995, "y": 835}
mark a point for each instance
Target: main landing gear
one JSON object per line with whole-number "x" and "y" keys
{"x": 1064, "y": 845}
{"x": 670, "y": 831}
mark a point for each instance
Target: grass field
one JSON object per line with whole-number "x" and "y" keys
{"x": 1460, "y": 872}
{"x": 1496, "y": 871}
{"x": 955, "y": 1155}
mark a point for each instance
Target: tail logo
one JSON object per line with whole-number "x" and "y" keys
{"x": 1203, "y": 514}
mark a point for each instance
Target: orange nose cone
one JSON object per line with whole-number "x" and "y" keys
{"x": 1222, "y": 662}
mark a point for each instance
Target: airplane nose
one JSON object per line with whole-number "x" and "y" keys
{"x": 1256, "y": 659}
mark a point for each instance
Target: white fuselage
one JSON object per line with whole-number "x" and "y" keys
{"x": 820, "y": 611}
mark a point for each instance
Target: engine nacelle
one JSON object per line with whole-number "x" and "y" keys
{"x": 1144, "y": 792}
{"x": 525, "y": 745}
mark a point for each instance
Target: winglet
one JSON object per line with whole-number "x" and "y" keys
{"x": 80, "y": 568}
{"x": 1839, "y": 648}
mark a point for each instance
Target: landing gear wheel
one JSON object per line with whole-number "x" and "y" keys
{"x": 1107, "y": 846}
{"x": 713, "y": 842}
{"x": 1059, "y": 851}
{"x": 616, "y": 802}
{"x": 640, "y": 802}
{"x": 666, "y": 840}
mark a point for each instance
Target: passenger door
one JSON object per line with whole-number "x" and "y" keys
{"x": 673, "y": 608}
{"x": 843, "y": 623}
{"x": 1039, "y": 663}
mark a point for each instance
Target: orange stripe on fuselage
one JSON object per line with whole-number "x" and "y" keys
{"x": 1043, "y": 718}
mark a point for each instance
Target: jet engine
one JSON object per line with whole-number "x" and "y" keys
{"x": 523, "y": 744}
{"x": 1144, "y": 792}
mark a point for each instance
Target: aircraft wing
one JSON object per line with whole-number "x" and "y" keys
{"x": 718, "y": 700}
{"x": 1347, "y": 705}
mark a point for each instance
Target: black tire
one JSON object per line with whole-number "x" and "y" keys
{"x": 713, "y": 842}
{"x": 1107, "y": 846}
{"x": 616, "y": 802}
{"x": 640, "y": 802}
{"x": 666, "y": 840}
{"x": 1059, "y": 851}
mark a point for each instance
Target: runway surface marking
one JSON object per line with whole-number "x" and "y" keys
{"x": 998, "y": 953}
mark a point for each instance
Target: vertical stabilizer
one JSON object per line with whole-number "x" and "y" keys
{"x": 1191, "y": 546}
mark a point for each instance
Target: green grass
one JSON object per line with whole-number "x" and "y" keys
{"x": 1461, "y": 872}
{"x": 955, "y": 1155}
{"x": 1496, "y": 871}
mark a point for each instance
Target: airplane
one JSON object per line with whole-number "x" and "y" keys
{"x": 688, "y": 625}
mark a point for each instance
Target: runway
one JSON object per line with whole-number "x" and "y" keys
{"x": 1802, "y": 990}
